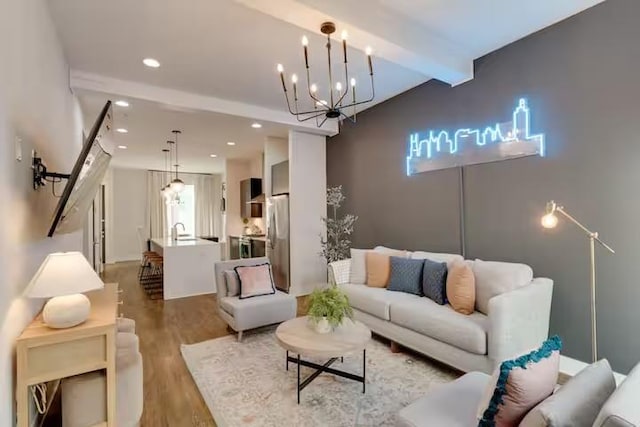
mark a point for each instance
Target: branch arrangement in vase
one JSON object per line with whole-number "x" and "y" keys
{"x": 336, "y": 245}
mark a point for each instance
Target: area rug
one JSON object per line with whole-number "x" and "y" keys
{"x": 246, "y": 384}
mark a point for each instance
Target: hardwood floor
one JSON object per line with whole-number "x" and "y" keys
{"x": 171, "y": 398}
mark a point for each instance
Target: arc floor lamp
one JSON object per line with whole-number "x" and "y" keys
{"x": 550, "y": 220}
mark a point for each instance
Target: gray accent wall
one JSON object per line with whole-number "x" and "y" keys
{"x": 582, "y": 79}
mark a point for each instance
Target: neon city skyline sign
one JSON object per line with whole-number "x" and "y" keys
{"x": 437, "y": 150}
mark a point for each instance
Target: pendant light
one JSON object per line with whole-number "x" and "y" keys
{"x": 166, "y": 190}
{"x": 177, "y": 185}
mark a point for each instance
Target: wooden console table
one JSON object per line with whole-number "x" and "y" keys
{"x": 44, "y": 354}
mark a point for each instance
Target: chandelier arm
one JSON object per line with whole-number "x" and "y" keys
{"x": 322, "y": 122}
{"x": 339, "y": 104}
{"x": 330, "y": 73}
{"x": 347, "y": 117}
{"x": 311, "y": 117}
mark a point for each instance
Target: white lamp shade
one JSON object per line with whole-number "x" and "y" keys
{"x": 177, "y": 185}
{"x": 64, "y": 273}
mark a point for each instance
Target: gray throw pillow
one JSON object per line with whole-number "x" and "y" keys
{"x": 406, "y": 275}
{"x": 578, "y": 402}
{"x": 434, "y": 281}
{"x": 233, "y": 283}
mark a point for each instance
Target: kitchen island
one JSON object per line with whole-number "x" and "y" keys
{"x": 188, "y": 265}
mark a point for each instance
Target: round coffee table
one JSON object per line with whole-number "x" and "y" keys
{"x": 298, "y": 336}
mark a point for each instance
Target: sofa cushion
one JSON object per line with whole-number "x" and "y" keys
{"x": 450, "y": 259}
{"x": 358, "y": 271}
{"x": 495, "y": 278}
{"x": 392, "y": 252}
{"x": 434, "y": 281}
{"x": 461, "y": 288}
{"x": 576, "y": 403}
{"x": 406, "y": 275}
{"x": 448, "y": 405}
{"x": 378, "y": 269}
{"x": 262, "y": 310}
{"x": 622, "y": 409}
{"x": 374, "y": 301}
{"x": 442, "y": 323}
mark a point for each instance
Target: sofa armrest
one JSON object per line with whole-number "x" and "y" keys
{"x": 339, "y": 272}
{"x": 621, "y": 409}
{"x": 519, "y": 320}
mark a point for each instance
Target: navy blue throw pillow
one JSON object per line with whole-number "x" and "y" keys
{"x": 434, "y": 281}
{"x": 406, "y": 275}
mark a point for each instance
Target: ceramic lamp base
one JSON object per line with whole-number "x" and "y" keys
{"x": 66, "y": 311}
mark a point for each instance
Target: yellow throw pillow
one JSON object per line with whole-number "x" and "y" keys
{"x": 378, "y": 269}
{"x": 461, "y": 288}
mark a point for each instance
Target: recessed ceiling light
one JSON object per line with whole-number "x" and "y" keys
{"x": 231, "y": 143}
{"x": 213, "y": 155}
{"x": 122, "y": 147}
{"x": 122, "y": 103}
{"x": 150, "y": 62}
{"x": 122, "y": 130}
{"x": 256, "y": 125}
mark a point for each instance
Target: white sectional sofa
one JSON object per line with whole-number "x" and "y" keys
{"x": 512, "y": 314}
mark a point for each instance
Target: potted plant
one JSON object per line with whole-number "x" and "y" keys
{"x": 327, "y": 308}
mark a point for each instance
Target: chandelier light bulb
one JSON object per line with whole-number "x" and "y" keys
{"x": 305, "y": 41}
{"x": 280, "y": 68}
{"x": 313, "y": 88}
{"x": 339, "y": 87}
{"x": 368, "y": 51}
{"x": 294, "y": 78}
{"x": 353, "y": 82}
{"x": 344, "y": 34}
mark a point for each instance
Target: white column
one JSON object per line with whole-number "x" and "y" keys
{"x": 307, "y": 204}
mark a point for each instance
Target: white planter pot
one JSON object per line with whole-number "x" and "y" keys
{"x": 322, "y": 326}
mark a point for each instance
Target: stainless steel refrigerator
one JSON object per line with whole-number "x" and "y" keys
{"x": 278, "y": 239}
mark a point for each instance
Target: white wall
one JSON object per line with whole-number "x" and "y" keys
{"x": 129, "y": 211}
{"x": 307, "y": 204}
{"x": 36, "y": 104}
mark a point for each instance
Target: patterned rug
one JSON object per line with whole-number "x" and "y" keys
{"x": 246, "y": 384}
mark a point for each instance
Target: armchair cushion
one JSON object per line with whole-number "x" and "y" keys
{"x": 452, "y": 405}
{"x": 576, "y": 403}
{"x": 233, "y": 283}
{"x": 259, "y": 311}
{"x": 255, "y": 280}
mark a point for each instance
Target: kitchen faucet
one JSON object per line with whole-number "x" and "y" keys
{"x": 174, "y": 230}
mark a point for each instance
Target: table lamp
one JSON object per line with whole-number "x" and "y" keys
{"x": 63, "y": 277}
{"x": 550, "y": 220}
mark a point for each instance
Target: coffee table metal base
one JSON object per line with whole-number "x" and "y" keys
{"x": 326, "y": 368}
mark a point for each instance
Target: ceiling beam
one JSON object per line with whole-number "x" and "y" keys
{"x": 392, "y": 37}
{"x": 192, "y": 101}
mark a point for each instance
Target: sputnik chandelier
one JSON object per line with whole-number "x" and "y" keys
{"x": 337, "y": 107}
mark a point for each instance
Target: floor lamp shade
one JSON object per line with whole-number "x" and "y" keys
{"x": 64, "y": 277}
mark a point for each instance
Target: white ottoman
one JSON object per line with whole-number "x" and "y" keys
{"x": 84, "y": 396}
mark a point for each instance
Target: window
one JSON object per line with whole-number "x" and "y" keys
{"x": 183, "y": 212}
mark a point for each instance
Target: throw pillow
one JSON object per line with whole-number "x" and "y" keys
{"x": 378, "y": 269}
{"x": 576, "y": 403}
{"x": 434, "y": 281}
{"x": 461, "y": 288}
{"x": 495, "y": 278}
{"x": 520, "y": 384}
{"x": 255, "y": 280}
{"x": 406, "y": 275}
{"x": 233, "y": 285}
{"x": 358, "y": 270}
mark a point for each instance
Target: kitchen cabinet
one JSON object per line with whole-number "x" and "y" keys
{"x": 234, "y": 247}
{"x": 249, "y": 189}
